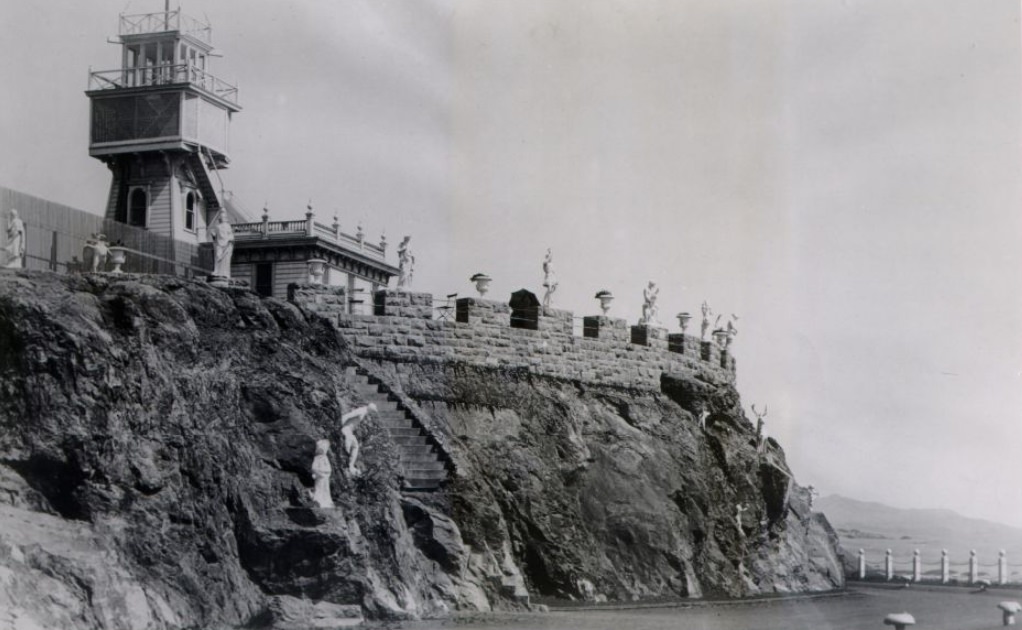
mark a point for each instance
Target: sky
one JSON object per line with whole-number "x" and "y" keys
{"x": 843, "y": 175}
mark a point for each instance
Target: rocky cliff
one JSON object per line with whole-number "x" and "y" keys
{"x": 155, "y": 452}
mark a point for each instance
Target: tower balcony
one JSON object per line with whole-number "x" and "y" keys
{"x": 163, "y": 22}
{"x": 169, "y": 75}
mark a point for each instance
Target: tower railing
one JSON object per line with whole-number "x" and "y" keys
{"x": 143, "y": 23}
{"x": 301, "y": 228}
{"x": 168, "y": 74}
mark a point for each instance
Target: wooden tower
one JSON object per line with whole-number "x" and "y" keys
{"x": 161, "y": 124}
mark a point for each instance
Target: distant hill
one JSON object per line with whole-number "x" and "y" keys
{"x": 876, "y": 527}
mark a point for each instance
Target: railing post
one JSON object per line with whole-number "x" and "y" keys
{"x": 337, "y": 227}
{"x": 888, "y": 566}
{"x": 916, "y": 566}
{"x": 308, "y": 220}
{"x": 972, "y": 567}
{"x": 862, "y": 564}
{"x": 1002, "y": 568}
{"x": 945, "y": 571}
{"x": 266, "y": 222}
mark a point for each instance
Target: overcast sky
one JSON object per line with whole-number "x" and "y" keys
{"x": 841, "y": 174}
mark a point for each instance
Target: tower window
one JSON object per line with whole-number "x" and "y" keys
{"x": 190, "y": 201}
{"x": 138, "y": 207}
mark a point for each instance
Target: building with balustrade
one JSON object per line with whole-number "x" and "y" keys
{"x": 161, "y": 123}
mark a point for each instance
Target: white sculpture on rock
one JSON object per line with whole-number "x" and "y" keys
{"x": 549, "y": 279}
{"x": 15, "y": 247}
{"x": 100, "y": 251}
{"x": 707, "y": 313}
{"x": 349, "y": 422}
{"x": 222, "y": 237}
{"x": 405, "y": 264}
{"x": 321, "y": 470}
{"x": 650, "y": 309}
{"x": 739, "y": 510}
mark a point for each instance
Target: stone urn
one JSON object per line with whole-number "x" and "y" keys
{"x": 482, "y": 282}
{"x": 720, "y": 336}
{"x": 316, "y": 268}
{"x": 117, "y": 257}
{"x": 605, "y": 297}
{"x": 683, "y": 319}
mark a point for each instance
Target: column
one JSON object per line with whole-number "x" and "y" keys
{"x": 972, "y": 567}
{"x": 888, "y": 566}
{"x": 862, "y": 564}
{"x": 1002, "y": 568}
{"x": 916, "y": 566}
{"x": 945, "y": 570}
{"x": 350, "y": 292}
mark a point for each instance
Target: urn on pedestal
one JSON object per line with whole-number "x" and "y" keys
{"x": 482, "y": 282}
{"x": 605, "y": 297}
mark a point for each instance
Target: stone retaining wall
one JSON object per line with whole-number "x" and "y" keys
{"x": 481, "y": 334}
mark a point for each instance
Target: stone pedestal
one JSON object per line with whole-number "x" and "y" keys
{"x": 221, "y": 282}
{"x": 555, "y": 320}
{"x": 684, "y": 344}
{"x": 473, "y": 310}
{"x": 607, "y": 328}
{"x": 398, "y": 303}
{"x": 710, "y": 352}
{"x": 652, "y": 336}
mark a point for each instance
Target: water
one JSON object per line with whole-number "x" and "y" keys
{"x": 934, "y": 608}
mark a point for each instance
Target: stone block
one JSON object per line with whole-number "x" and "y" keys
{"x": 605, "y": 328}
{"x": 649, "y": 336}
{"x": 711, "y": 352}
{"x": 397, "y": 303}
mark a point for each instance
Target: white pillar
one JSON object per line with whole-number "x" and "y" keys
{"x": 862, "y": 564}
{"x": 945, "y": 570}
{"x": 972, "y": 567}
{"x": 350, "y": 290}
{"x": 1002, "y": 568}
{"x": 916, "y": 566}
{"x": 888, "y": 566}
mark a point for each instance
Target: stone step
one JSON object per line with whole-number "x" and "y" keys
{"x": 419, "y": 458}
{"x": 416, "y": 473}
{"x": 421, "y": 484}
{"x": 398, "y": 424}
{"x": 393, "y": 414}
{"x": 404, "y": 432}
{"x": 408, "y": 440}
{"x": 412, "y": 469}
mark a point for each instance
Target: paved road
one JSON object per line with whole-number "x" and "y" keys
{"x": 862, "y": 608}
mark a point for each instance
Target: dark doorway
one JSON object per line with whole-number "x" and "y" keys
{"x": 264, "y": 279}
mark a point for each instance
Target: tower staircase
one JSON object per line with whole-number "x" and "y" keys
{"x": 205, "y": 182}
{"x": 425, "y": 466}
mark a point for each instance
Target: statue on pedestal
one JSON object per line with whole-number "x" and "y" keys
{"x": 349, "y": 422}
{"x": 731, "y": 331}
{"x": 707, "y": 313}
{"x": 649, "y": 305}
{"x": 759, "y": 421}
{"x": 405, "y": 264}
{"x": 15, "y": 247}
{"x": 222, "y": 237}
{"x": 100, "y": 251}
{"x": 321, "y": 470}
{"x": 549, "y": 279}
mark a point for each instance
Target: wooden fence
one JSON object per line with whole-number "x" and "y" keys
{"x": 56, "y": 235}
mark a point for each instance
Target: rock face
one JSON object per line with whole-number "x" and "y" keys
{"x": 156, "y": 437}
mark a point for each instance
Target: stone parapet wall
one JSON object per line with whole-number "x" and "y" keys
{"x": 482, "y": 335}
{"x": 325, "y": 300}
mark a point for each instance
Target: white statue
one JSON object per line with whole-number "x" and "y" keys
{"x": 349, "y": 422}
{"x": 707, "y": 312}
{"x": 703, "y": 415}
{"x": 731, "y": 331}
{"x": 15, "y": 241}
{"x": 405, "y": 264}
{"x": 649, "y": 305}
{"x": 812, "y": 494}
{"x": 759, "y": 420}
{"x": 321, "y": 470}
{"x": 739, "y": 509}
{"x": 549, "y": 279}
{"x": 222, "y": 236}
{"x": 100, "y": 251}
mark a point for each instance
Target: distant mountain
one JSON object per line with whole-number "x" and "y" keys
{"x": 875, "y": 527}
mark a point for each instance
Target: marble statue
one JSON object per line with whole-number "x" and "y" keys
{"x": 222, "y": 236}
{"x": 707, "y": 312}
{"x": 405, "y": 264}
{"x": 703, "y": 415}
{"x": 759, "y": 420}
{"x": 549, "y": 279}
{"x": 15, "y": 241}
{"x": 649, "y": 305}
{"x": 731, "y": 331}
{"x": 100, "y": 251}
{"x": 739, "y": 510}
{"x": 349, "y": 422}
{"x": 321, "y": 470}
{"x": 812, "y": 494}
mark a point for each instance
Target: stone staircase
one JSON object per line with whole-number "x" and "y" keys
{"x": 425, "y": 467}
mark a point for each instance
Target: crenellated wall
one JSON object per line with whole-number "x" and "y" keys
{"x": 489, "y": 333}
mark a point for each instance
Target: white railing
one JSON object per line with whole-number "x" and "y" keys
{"x": 267, "y": 229}
{"x": 944, "y": 571}
{"x": 142, "y": 23}
{"x": 169, "y": 74}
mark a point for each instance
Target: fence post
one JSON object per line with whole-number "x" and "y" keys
{"x": 972, "y": 567}
{"x": 888, "y": 566}
{"x": 862, "y": 564}
{"x": 945, "y": 571}
{"x": 916, "y": 568}
{"x": 1002, "y": 568}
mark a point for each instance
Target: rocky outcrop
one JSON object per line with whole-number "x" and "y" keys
{"x": 155, "y": 442}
